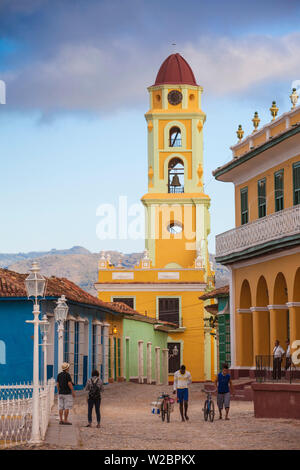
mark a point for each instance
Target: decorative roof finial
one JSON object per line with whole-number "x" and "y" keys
{"x": 294, "y": 97}
{"x": 240, "y": 132}
{"x": 255, "y": 121}
{"x": 274, "y": 110}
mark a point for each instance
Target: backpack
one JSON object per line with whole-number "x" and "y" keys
{"x": 94, "y": 392}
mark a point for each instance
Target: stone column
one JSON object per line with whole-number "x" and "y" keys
{"x": 149, "y": 363}
{"x": 244, "y": 338}
{"x": 141, "y": 361}
{"x": 294, "y": 308}
{"x": 261, "y": 331}
{"x": 157, "y": 365}
{"x": 278, "y": 325}
{"x": 105, "y": 352}
{"x": 165, "y": 366}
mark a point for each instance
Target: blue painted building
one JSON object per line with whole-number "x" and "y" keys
{"x": 85, "y": 336}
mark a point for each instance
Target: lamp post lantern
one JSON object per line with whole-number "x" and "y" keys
{"x": 60, "y": 312}
{"x": 35, "y": 287}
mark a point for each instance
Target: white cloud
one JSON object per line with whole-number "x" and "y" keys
{"x": 226, "y": 66}
{"x": 89, "y": 77}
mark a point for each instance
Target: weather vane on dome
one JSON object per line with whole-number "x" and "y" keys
{"x": 174, "y": 46}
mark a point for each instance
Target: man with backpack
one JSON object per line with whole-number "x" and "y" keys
{"x": 95, "y": 387}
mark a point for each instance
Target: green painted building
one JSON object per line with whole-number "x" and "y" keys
{"x": 218, "y": 316}
{"x": 145, "y": 349}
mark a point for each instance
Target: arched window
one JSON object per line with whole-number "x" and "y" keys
{"x": 175, "y": 137}
{"x": 176, "y": 176}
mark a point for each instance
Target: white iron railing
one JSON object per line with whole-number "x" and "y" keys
{"x": 16, "y": 412}
{"x": 274, "y": 226}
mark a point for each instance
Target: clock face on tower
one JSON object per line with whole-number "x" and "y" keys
{"x": 174, "y": 97}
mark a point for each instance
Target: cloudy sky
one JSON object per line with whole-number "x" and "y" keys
{"x": 72, "y": 131}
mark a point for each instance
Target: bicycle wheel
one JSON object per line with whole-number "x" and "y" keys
{"x": 162, "y": 412}
{"x": 211, "y": 411}
{"x": 206, "y": 410}
{"x": 168, "y": 411}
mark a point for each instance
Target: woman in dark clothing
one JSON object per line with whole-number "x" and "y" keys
{"x": 95, "y": 387}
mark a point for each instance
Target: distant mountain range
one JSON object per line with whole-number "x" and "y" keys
{"x": 81, "y": 266}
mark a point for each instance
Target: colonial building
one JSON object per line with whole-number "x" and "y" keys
{"x": 86, "y": 332}
{"x": 137, "y": 348}
{"x": 263, "y": 250}
{"x": 176, "y": 268}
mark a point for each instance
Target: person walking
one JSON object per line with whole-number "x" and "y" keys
{"x": 182, "y": 379}
{"x": 95, "y": 387}
{"x": 288, "y": 360}
{"x": 223, "y": 382}
{"x": 65, "y": 392}
{"x": 278, "y": 353}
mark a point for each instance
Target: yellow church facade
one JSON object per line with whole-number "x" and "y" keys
{"x": 175, "y": 269}
{"x": 263, "y": 250}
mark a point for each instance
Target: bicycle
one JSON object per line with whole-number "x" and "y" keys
{"x": 209, "y": 406}
{"x": 166, "y": 407}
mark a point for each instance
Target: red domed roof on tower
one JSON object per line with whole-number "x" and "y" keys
{"x": 175, "y": 70}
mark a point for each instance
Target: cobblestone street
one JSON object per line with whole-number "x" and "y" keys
{"x": 127, "y": 423}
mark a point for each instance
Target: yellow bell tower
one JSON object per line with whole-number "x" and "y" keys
{"x": 176, "y": 208}
{"x": 175, "y": 270}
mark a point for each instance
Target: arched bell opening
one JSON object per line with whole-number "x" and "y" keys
{"x": 176, "y": 176}
{"x": 175, "y": 137}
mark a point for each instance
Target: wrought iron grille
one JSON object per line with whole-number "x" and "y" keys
{"x": 271, "y": 369}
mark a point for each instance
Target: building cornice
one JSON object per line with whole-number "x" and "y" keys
{"x": 235, "y": 162}
{"x": 150, "y": 287}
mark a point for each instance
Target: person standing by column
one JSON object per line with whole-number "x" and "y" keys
{"x": 278, "y": 353}
{"x": 65, "y": 393}
{"x": 182, "y": 379}
{"x": 95, "y": 387}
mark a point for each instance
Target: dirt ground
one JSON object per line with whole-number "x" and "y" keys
{"x": 127, "y": 423}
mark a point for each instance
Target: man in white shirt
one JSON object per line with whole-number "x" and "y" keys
{"x": 278, "y": 353}
{"x": 288, "y": 355}
{"x": 182, "y": 379}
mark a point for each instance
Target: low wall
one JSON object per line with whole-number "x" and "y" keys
{"x": 276, "y": 400}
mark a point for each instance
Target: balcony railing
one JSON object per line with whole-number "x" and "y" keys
{"x": 279, "y": 225}
{"x": 271, "y": 369}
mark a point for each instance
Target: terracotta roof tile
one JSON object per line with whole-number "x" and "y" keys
{"x": 12, "y": 284}
{"x": 216, "y": 293}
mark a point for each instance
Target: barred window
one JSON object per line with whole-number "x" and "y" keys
{"x": 125, "y": 300}
{"x": 168, "y": 310}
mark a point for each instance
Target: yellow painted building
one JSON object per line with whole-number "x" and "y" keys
{"x": 175, "y": 269}
{"x": 263, "y": 250}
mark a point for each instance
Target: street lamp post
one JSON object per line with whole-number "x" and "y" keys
{"x": 44, "y": 327}
{"x": 61, "y": 312}
{"x": 35, "y": 286}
